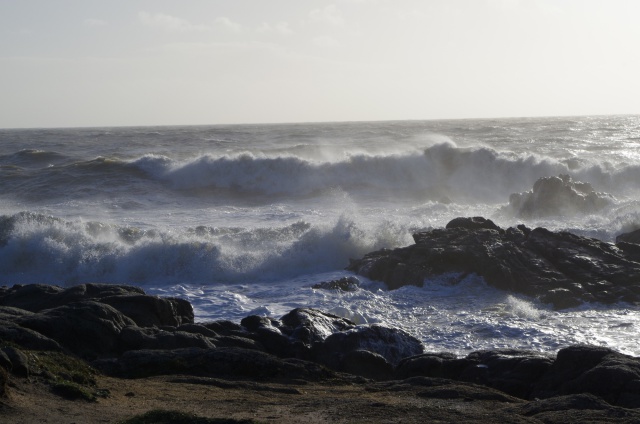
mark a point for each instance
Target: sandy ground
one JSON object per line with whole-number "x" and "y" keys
{"x": 31, "y": 401}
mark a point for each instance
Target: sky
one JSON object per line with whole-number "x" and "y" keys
{"x": 77, "y": 63}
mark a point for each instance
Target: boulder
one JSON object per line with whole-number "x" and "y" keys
{"x": 366, "y": 364}
{"x": 599, "y": 371}
{"x": 36, "y": 297}
{"x": 267, "y": 332}
{"x": 26, "y": 337}
{"x": 310, "y": 326}
{"x": 559, "y": 268}
{"x": 583, "y": 408}
{"x": 148, "y": 311}
{"x": 514, "y": 372}
{"x": 511, "y": 371}
{"x": 554, "y": 196}
{"x": 347, "y": 284}
{"x": 136, "y": 338}
{"x": 132, "y": 301}
{"x": 88, "y": 329}
{"x": 18, "y": 362}
{"x": 219, "y": 362}
{"x": 392, "y": 344}
{"x": 434, "y": 365}
{"x": 631, "y": 237}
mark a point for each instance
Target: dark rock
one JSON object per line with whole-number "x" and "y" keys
{"x": 475, "y": 223}
{"x": 266, "y": 331}
{"x": 25, "y": 337}
{"x": 558, "y": 267}
{"x": 36, "y": 297}
{"x": 18, "y": 362}
{"x": 136, "y": 338}
{"x": 145, "y": 310}
{"x": 89, "y": 329}
{"x": 599, "y": 371}
{"x": 236, "y": 341}
{"x": 438, "y": 388}
{"x": 197, "y": 329}
{"x": 219, "y": 362}
{"x": 225, "y": 328}
{"x": 347, "y": 284}
{"x": 4, "y": 380}
{"x": 148, "y": 311}
{"x": 436, "y": 365}
{"x": 570, "y": 409}
{"x": 5, "y": 362}
{"x": 366, "y": 364}
{"x": 632, "y": 237}
{"x": 511, "y": 371}
{"x": 552, "y": 196}
{"x": 631, "y": 250}
{"x": 390, "y": 343}
{"x": 311, "y": 325}
{"x": 514, "y": 372}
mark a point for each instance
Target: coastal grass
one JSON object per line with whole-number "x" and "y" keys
{"x": 159, "y": 416}
{"x": 67, "y": 376}
{"x": 57, "y": 366}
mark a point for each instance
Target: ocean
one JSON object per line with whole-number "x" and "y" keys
{"x": 245, "y": 219}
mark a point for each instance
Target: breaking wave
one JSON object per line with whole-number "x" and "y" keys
{"x": 35, "y": 248}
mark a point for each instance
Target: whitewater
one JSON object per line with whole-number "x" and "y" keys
{"x": 245, "y": 219}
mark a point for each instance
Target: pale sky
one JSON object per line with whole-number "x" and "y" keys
{"x": 68, "y": 63}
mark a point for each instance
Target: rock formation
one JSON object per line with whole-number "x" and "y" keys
{"x": 559, "y": 268}
{"x": 552, "y": 196}
{"x": 304, "y": 345}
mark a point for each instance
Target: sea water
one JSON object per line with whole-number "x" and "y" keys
{"x": 245, "y": 219}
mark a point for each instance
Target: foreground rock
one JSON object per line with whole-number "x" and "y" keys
{"x": 557, "y": 267}
{"x": 306, "y": 347}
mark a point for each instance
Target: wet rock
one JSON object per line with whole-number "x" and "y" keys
{"x": 219, "y": 362}
{"x": 558, "y": 267}
{"x": 240, "y": 342}
{"x": 553, "y": 196}
{"x": 26, "y": 337}
{"x": 197, "y": 329}
{"x": 225, "y": 328}
{"x": 581, "y": 408}
{"x": 148, "y": 311}
{"x": 436, "y": 365}
{"x": 310, "y": 326}
{"x": 511, "y": 371}
{"x": 18, "y": 362}
{"x": 267, "y": 331}
{"x": 514, "y": 372}
{"x": 4, "y": 380}
{"x": 366, "y": 364}
{"x": 136, "y": 338}
{"x": 595, "y": 370}
{"x": 475, "y": 223}
{"x": 632, "y": 237}
{"x": 89, "y": 329}
{"x": 36, "y": 297}
{"x": 145, "y": 310}
{"x": 390, "y": 343}
{"x": 347, "y": 284}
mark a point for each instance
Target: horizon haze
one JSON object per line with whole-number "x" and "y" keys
{"x": 73, "y": 63}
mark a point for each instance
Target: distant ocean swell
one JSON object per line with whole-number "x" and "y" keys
{"x": 442, "y": 171}
{"x": 36, "y": 248}
{"x": 481, "y": 174}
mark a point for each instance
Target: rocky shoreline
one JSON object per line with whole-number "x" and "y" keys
{"x": 559, "y": 268}
{"x": 117, "y": 331}
{"x": 60, "y": 347}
